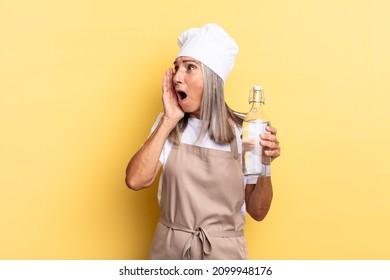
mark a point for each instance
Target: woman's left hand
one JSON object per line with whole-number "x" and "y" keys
{"x": 270, "y": 142}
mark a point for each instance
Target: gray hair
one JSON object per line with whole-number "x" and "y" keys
{"x": 217, "y": 118}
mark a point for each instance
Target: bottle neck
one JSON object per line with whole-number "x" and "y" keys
{"x": 256, "y": 106}
{"x": 258, "y": 99}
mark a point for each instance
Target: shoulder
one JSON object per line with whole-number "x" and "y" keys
{"x": 239, "y": 115}
{"x": 236, "y": 118}
{"x": 236, "y": 121}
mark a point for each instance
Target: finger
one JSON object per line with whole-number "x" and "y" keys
{"x": 268, "y": 137}
{"x": 271, "y": 129}
{"x": 272, "y": 153}
{"x": 269, "y": 144}
{"x": 171, "y": 81}
{"x": 167, "y": 83}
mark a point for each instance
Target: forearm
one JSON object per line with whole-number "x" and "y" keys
{"x": 145, "y": 165}
{"x": 258, "y": 198}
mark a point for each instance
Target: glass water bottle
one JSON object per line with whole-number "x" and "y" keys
{"x": 254, "y": 160}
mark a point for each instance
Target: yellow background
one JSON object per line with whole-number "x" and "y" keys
{"x": 80, "y": 87}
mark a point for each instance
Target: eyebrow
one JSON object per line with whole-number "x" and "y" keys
{"x": 186, "y": 61}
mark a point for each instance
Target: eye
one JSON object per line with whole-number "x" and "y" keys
{"x": 191, "y": 67}
{"x": 175, "y": 68}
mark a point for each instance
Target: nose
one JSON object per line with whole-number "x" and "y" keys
{"x": 178, "y": 77}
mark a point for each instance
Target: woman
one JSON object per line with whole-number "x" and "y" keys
{"x": 202, "y": 193}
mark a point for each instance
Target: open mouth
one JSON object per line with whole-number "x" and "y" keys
{"x": 182, "y": 95}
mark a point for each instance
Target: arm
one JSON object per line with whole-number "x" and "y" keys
{"x": 258, "y": 196}
{"x": 145, "y": 165}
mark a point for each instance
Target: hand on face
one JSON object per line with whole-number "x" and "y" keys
{"x": 270, "y": 142}
{"x": 172, "y": 109}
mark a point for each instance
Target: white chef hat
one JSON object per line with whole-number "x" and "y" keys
{"x": 212, "y": 46}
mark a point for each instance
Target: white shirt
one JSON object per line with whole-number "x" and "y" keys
{"x": 190, "y": 136}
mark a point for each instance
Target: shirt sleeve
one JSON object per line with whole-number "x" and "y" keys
{"x": 251, "y": 179}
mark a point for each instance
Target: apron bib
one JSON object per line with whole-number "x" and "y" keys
{"x": 200, "y": 206}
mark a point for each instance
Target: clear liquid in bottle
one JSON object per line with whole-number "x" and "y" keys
{"x": 254, "y": 160}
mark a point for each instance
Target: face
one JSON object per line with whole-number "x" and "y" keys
{"x": 188, "y": 83}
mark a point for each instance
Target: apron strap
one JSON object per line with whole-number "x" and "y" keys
{"x": 203, "y": 236}
{"x": 234, "y": 149}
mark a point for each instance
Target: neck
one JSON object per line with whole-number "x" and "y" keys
{"x": 195, "y": 115}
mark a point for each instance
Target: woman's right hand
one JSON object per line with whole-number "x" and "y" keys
{"x": 173, "y": 111}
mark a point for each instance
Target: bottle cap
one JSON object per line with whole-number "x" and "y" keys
{"x": 259, "y": 96}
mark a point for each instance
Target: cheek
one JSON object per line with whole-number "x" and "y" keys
{"x": 196, "y": 86}
{"x": 199, "y": 90}
{"x": 199, "y": 95}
